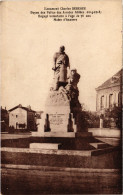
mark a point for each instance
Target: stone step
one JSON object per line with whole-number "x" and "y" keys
{"x": 99, "y": 145}
{"x": 54, "y": 134}
{"x": 45, "y": 146}
{"x": 58, "y": 152}
{"x": 98, "y": 158}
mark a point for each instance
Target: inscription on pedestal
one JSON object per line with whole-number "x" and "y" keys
{"x": 56, "y": 119}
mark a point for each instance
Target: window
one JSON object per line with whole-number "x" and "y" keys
{"x": 16, "y": 116}
{"x": 119, "y": 99}
{"x": 110, "y": 100}
{"x": 102, "y": 102}
{"x": 106, "y": 101}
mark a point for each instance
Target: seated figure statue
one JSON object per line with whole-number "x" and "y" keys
{"x": 73, "y": 79}
{"x": 61, "y": 63}
{"x": 71, "y": 87}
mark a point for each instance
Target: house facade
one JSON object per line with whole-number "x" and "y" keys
{"x": 22, "y": 118}
{"x": 109, "y": 93}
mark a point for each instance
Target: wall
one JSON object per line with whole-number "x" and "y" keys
{"x": 19, "y": 116}
{"x": 106, "y": 92}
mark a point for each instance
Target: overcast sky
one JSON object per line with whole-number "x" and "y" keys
{"x": 29, "y": 43}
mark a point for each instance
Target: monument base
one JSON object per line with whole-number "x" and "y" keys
{"x": 62, "y": 134}
{"x": 53, "y": 134}
{"x": 83, "y": 134}
{"x": 69, "y": 141}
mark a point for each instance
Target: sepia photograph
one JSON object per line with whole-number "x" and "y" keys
{"x": 61, "y": 97}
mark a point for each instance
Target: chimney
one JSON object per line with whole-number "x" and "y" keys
{"x": 29, "y": 107}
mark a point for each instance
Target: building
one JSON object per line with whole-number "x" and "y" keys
{"x": 109, "y": 93}
{"x": 39, "y": 114}
{"x": 22, "y": 118}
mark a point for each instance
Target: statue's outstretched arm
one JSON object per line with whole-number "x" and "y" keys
{"x": 54, "y": 61}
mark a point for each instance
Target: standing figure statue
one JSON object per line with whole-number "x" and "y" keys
{"x": 61, "y": 63}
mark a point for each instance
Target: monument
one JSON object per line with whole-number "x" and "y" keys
{"x": 63, "y": 125}
{"x": 62, "y": 116}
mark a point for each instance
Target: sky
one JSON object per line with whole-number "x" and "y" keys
{"x": 29, "y": 43}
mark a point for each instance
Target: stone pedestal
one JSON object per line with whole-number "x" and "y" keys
{"x": 62, "y": 116}
{"x": 57, "y": 121}
{"x": 58, "y": 117}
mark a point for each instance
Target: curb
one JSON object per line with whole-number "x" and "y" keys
{"x": 65, "y": 169}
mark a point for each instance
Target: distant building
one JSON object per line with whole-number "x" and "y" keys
{"x": 109, "y": 93}
{"x": 22, "y": 118}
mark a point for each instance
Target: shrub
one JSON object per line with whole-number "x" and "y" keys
{"x": 116, "y": 114}
{"x": 92, "y": 119}
{"x": 11, "y": 129}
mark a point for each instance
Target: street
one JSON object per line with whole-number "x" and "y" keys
{"x": 19, "y": 181}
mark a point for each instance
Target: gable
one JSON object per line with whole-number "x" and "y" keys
{"x": 20, "y": 106}
{"x": 18, "y": 111}
{"x": 113, "y": 81}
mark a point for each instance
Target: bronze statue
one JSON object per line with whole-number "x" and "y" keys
{"x": 61, "y": 63}
{"x": 73, "y": 79}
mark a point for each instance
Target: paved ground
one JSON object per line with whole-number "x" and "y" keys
{"x": 18, "y": 181}
{"x": 105, "y": 132}
{"x": 14, "y": 136}
{"x": 110, "y": 141}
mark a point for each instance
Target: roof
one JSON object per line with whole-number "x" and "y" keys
{"x": 20, "y": 106}
{"x": 113, "y": 81}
